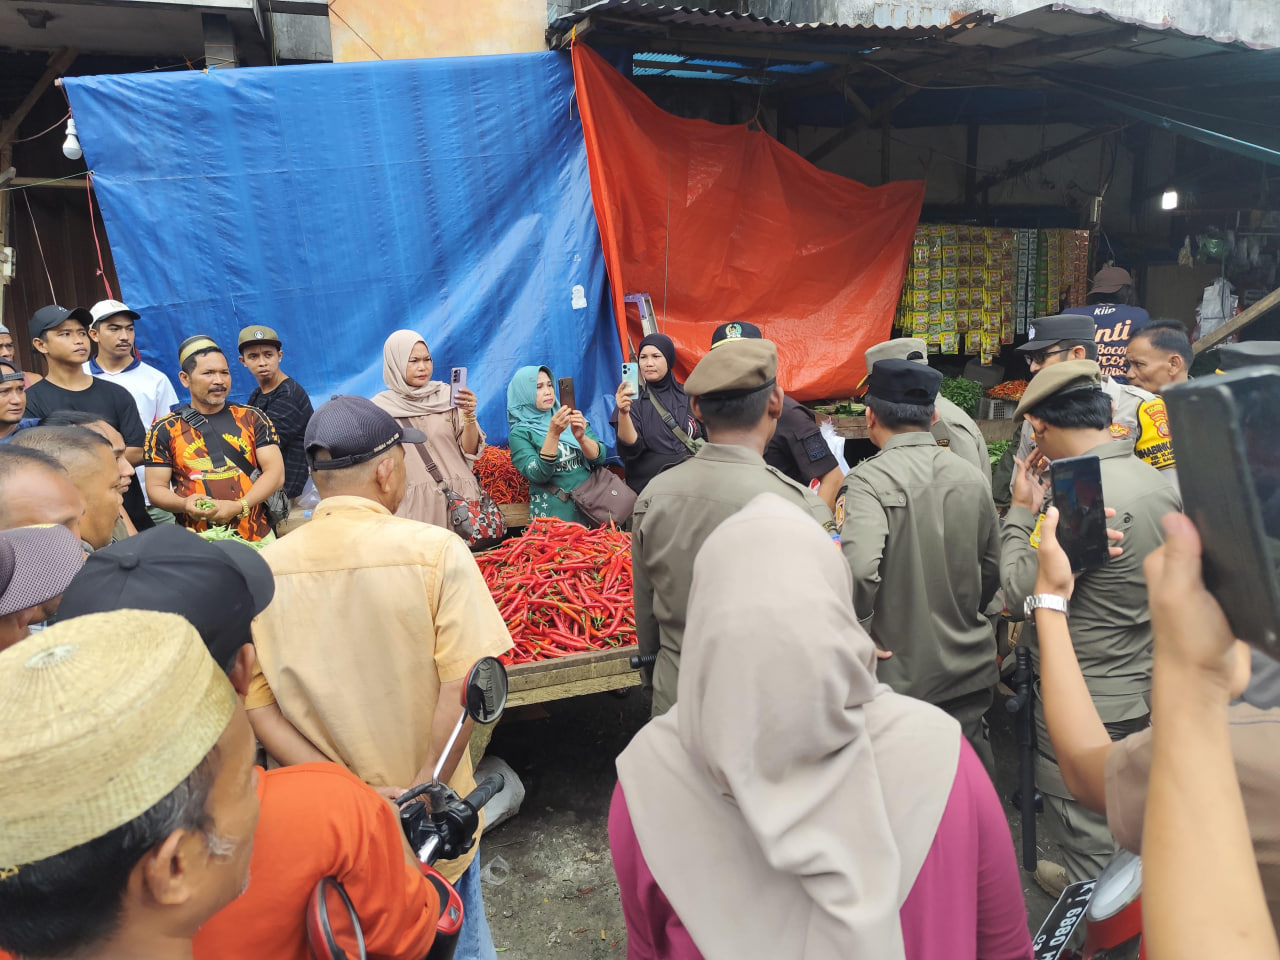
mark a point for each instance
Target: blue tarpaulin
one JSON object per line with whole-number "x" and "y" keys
{"x": 339, "y": 202}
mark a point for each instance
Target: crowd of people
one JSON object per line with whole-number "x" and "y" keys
{"x": 817, "y": 776}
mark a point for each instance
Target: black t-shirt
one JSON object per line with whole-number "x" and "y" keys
{"x": 108, "y": 401}
{"x": 798, "y": 447}
{"x": 289, "y": 409}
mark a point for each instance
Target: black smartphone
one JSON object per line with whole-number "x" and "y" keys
{"x": 1082, "y": 516}
{"x": 565, "y": 388}
{"x": 1226, "y": 440}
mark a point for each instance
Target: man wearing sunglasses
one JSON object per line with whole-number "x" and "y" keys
{"x": 1135, "y": 413}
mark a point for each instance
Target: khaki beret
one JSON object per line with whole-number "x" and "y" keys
{"x": 903, "y": 348}
{"x": 1058, "y": 378}
{"x": 747, "y": 367}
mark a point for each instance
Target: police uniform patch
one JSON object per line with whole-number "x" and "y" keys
{"x": 815, "y": 447}
{"x": 1119, "y": 431}
{"x": 840, "y": 514}
{"x": 1034, "y": 539}
{"x": 733, "y": 332}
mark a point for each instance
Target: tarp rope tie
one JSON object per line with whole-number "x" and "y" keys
{"x": 93, "y": 227}
{"x": 39, "y": 246}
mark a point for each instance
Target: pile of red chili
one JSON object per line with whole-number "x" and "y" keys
{"x": 499, "y": 476}
{"x": 562, "y": 589}
{"x": 1009, "y": 390}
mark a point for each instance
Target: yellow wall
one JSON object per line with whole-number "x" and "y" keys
{"x": 399, "y": 29}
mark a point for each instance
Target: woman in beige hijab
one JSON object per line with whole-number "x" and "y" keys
{"x": 454, "y": 438}
{"x": 789, "y": 806}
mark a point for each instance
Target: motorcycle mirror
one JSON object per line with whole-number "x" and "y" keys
{"x": 484, "y": 695}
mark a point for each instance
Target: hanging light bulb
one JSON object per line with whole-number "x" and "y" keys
{"x": 1169, "y": 199}
{"x": 71, "y": 146}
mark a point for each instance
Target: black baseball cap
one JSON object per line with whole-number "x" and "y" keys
{"x": 904, "y": 381}
{"x": 218, "y": 587}
{"x": 1044, "y": 332}
{"x": 46, "y": 318}
{"x": 737, "y": 330}
{"x": 353, "y": 430}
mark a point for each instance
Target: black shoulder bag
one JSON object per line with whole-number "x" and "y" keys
{"x": 276, "y": 505}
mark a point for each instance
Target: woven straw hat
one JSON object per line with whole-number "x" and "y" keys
{"x": 101, "y": 717}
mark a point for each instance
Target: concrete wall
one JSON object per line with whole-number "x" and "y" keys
{"x": 1255, "y": 21}
{"x": 402, "y": 29}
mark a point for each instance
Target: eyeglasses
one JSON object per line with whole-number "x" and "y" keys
{"x": 1040, "y": 356}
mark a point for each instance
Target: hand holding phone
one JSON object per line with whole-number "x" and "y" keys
{"x": 457, "y": 381}
{"x": 1082, "y": 517}
{"x": 631, "y": 377}
{"x": 565, "y": 389}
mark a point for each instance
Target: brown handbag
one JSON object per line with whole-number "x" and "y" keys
{"x": 601, "y": 498}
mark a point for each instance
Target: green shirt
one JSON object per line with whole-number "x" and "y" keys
{"x": 922, "y": 539}
{"x": 674, "y": 515}
{"x": 568, "y": 471}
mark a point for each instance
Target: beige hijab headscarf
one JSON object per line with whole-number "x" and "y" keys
{"x": 787, "y": 802}
{"x": 400, "y": 399}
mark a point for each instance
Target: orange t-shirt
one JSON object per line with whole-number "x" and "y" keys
{"x": 319, "y": 820}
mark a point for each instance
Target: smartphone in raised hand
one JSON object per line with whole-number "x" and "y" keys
{"x": 1226, "y": 440}
{"x": 565, "y": 389}
{"x": 457, "y": 381}
{"x": 1082, "y": 517}
{"x": 631, "y": 375}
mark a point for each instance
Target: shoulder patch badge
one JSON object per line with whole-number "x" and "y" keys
{"x": 1119, "y": 431}
{"x": 815, "y": 447}
{"x": 840, "y": 511}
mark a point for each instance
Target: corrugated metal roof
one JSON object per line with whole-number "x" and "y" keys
{"x": 747, "y": 23}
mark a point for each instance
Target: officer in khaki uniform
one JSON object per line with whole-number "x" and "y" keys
{"x": 735, "y": 394}
{"x": 1137, "y": 416}
{"x": 920, "y": 532}
{"x": 954, "y": 429}
{"x": 1070, "y": 415}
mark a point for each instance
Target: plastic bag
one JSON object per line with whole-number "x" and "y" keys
{"x": 309, "y": 496}
{"x": 1217, "y": 306}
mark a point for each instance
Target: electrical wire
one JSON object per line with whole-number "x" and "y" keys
{"x": 928, "y": 86}
{"x": 335, "y": 13}
{"x": 45, "y": 130}
{"x": 40, "y": 247}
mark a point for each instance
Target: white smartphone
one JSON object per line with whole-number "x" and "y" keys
{"x": 457, "y": 381}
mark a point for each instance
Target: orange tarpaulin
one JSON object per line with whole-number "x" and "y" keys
{"x": 723, "y": 223}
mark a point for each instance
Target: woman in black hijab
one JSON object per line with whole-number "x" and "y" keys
{"x": 650, "y": 425}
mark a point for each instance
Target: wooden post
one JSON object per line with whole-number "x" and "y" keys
{"x": 886, "y": 148}
{"x": 971, "y": 168}
{"x": 1239, "y": 322}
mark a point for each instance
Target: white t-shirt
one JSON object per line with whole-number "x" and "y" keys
{"x": 151, "y": 390}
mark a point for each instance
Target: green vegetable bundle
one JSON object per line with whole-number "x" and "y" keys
{"x": 965, "y": 394}
{"x": 996, "y": 450}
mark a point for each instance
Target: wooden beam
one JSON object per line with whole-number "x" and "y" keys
{"x": 57, "y": 65}
{"x": 1238, "y": 322}
{"x": 78, "y": 183}
{"x": 843, "y": 136}
{"x": 1019, "y": 167}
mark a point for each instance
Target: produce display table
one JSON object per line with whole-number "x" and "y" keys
{"x": 516, "y": 514}
{"x": 993, "y": 431}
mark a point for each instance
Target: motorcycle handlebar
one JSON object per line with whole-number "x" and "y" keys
{"x": 485, "y": 791}
{"x": 643, "y": 660}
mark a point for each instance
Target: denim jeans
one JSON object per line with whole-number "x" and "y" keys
{"x": 474, "y": 940}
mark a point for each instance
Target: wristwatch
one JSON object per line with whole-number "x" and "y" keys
{"x": 1044, "y": 601}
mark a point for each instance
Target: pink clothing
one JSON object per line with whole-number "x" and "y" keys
{"x": 966, "y": 903}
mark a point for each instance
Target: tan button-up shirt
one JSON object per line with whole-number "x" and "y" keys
{"x": 372, "y": 613}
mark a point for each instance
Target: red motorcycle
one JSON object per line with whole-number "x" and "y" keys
{"x": 1097, "y": 919}
{"x": 438, "y": 825}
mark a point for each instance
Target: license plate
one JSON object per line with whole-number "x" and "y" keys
{"x": 1055, "y": 933}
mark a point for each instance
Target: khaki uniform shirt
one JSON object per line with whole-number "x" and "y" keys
{"x": 1255, "y": 742}
{"x": 372, "y": 614}
{"x": 920, "y": 533}
{"x": 956, "y": 430}
{"x": 1109, "y": 620}
{"x": 677, "y": 512}
{"x": 1125, "y": 424}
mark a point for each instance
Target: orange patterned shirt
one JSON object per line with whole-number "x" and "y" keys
{"x": 176, "y": 444}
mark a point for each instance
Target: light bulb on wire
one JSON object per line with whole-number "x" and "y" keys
{"x": 1169, "y": 199}
{"x": 71, "y": 146}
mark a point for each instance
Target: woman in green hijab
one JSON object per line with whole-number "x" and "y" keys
{"x": 553, "y": 447}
